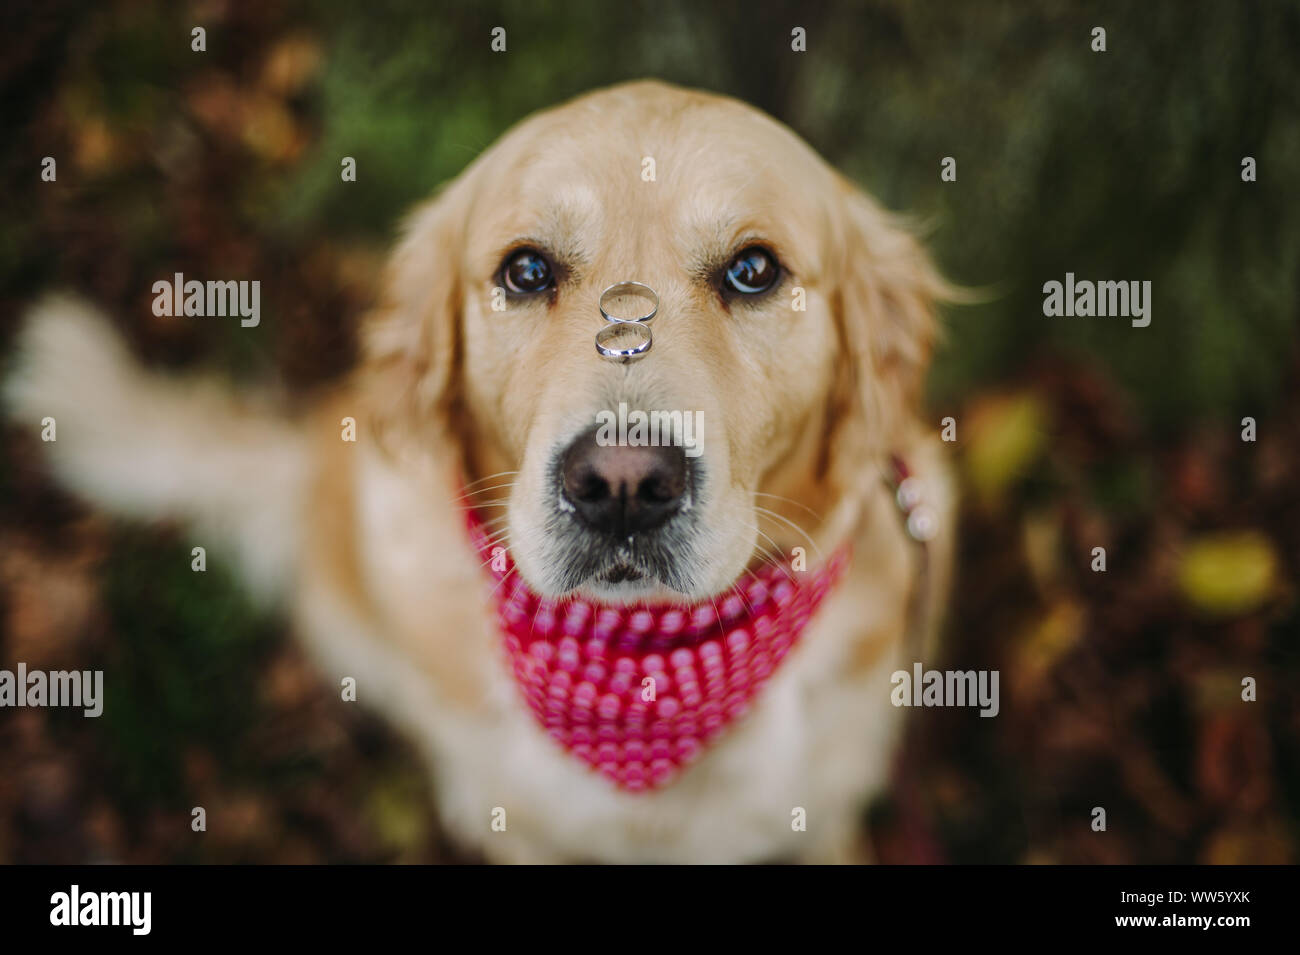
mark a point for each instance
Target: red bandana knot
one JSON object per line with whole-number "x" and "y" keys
{"x": 637, "y": 691}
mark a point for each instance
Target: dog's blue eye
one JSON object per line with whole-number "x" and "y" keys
{"x": 752, "y": 271}
{"x": 526, "y": 272}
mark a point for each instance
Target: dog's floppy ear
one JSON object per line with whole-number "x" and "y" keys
{"x": 885, "y": 300}
{"x": 411, "y": 337}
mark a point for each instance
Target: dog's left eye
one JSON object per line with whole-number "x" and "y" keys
{"x": 526, "y": 271}
{"x": 752, "y": 271}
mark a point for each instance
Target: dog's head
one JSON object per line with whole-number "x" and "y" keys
{"x": 794, "y": 325}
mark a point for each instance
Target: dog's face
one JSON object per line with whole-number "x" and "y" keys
{"x": 792, "y": 331}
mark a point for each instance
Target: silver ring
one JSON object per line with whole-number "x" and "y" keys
{"x": 622, "y": 354}
{"x": 624, "y": 288}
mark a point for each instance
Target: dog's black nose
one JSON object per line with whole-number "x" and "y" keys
{"x": 622, "y": 490}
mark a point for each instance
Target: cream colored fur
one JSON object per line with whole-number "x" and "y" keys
{"x": 365, "y": 541}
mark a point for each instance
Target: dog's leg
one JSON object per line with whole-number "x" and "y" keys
{"x": 148, "y": 446}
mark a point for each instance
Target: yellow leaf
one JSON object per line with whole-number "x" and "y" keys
{"x": 1053, "y": 635}
{"x": 1228, "y": 573}
{"x": 1006, "y": 436}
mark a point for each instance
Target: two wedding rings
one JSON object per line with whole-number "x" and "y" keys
{"x": 626, "y": 338}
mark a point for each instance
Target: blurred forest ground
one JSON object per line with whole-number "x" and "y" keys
{"x": 1119, "y": 690}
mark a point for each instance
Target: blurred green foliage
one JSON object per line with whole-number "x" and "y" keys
{"x": 182, "y": 681}
{"x": 1123, "y": 165}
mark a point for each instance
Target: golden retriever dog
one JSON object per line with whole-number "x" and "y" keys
{"x": 587, "y": 633}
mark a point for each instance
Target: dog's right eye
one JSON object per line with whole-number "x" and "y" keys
{"x": 526, "y": 272}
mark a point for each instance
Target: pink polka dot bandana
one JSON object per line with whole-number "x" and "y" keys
{"x": 637, "y": 692}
